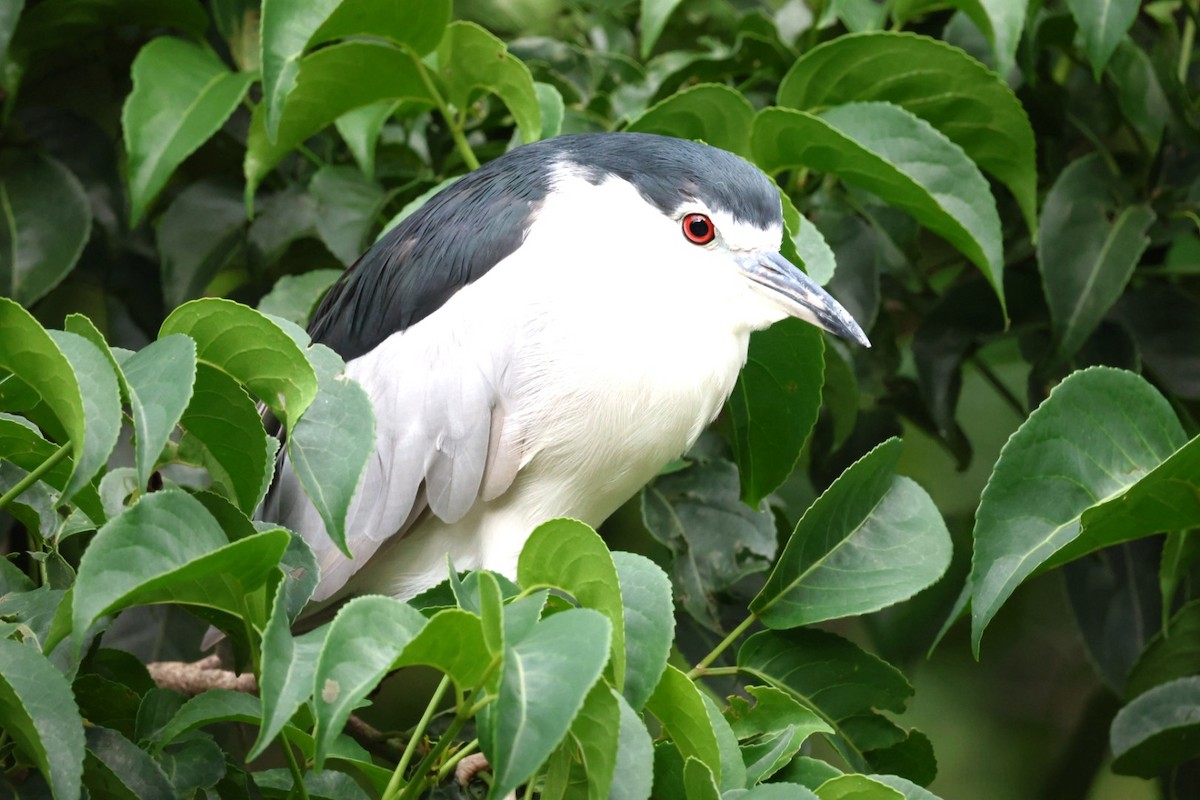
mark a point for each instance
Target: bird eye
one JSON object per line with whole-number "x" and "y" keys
{"x": 698, "y": 229}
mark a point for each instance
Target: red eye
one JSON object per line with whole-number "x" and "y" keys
{"x": 698, "y": 229}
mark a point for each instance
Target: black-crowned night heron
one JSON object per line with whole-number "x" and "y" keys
{"x": 538, "y": 340}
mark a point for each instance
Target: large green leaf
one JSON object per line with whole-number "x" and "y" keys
{"x": 365, "y": 638}
{"x": 46, "y": 223}
{"x": 1001, "y": 21}
{"x": 649, "y": 623}
{"x": 250, "y": 348}
{"x": 654, "y": 14}
{"x": 116, "y": 767}
{"x": 941, "y": 84}
{"x": 1160, "y": 729}
{"x": 214, "y": 705}
{"x": 224, "y": 434}
{"x": 871, "y": 540}
{"x": 856, "y": 787}
{"x": 898, "y": 156}
{"x": 774, "y": 404}
{"x": 469, "y": 58}
{"x": 451, "y": 642}
{"x": 330, "y": 82}
{"x": 160, "y": 379}
{"x": 169, "y": 548}
{"x": 182, "y": 94}
{"x": 288, "y": 29}
{"x": 1087, "y": 249}
{"x": 634, "y": 773}
{"x": 679, "y": 706}
{"x": 330, "y": 444}
{"x": 1094, "y": 439}
{"x": 710, "y": 112}
{"x": 545, "y": 678}
{"x": 38, "y": 712}
{"x": 583, "y": 765}
{"x": 1104, "y": 24}
{"x": 569, "y": 555}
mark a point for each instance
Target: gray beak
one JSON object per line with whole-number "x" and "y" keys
{"x": 799, "y": 295}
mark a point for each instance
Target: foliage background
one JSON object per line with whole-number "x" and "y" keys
{"x": 138, "y": 171}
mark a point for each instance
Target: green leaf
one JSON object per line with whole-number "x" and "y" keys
{"x": 169, "y": 548}
{"x": 365, "y": 638}
{"x": 774, "y": 404}
{"x": 347, "y": 206}
{"x": 182, "y": 94}
{"x": 907, "y": 788}
{"x": 654, "y": 14}
{"x": 47, "y": 221}
{"x": 871, "y": 540}
{"x": 1001, "y": 21}
{"x": 550, "y": 103}
{"x": 678, "y": 705}
{"x": 250, "y": 348}
{"x": 1087, "y": 249}
{"x": 1071, "y": 454}
{"x": 811, "y": 250}
{"x": 330, "y": 444}
{"x": 634, "y": 773}
{"x": 224, "y": 433}
{"x": 1181, "y": 550}
{"x": 568, "y": 554}
{"x": 469, "y": 58}
{"x": 38, "y": 712}
{"x": 898, "y": 156}
{"x": 649, "y": 623}
{"x": 544, "y": 680}
{"x": 116, "y": 767}
{"x": 359, "y": 129}
{"x": 193, "y": 765}
{"x": 295, "y": 297}
{"x": 774, "y": 715}
{"x": 160, "y": 379}
{"x": 773, "y": 791}
{"x": 709, "y": 112}
{"x": 941, "y": 84}
{"x": 9, "y": 15}
{"x": 717, "y": 539}
{"x": 1103, "y": 24}
{"x": 332, "y": 81}
{"x": 452, "y": 642}
{"x": 1160, "y": 729}
{"x": 733, "y": 769}
{"x": 1139, "y": 92}
{"x": 213, "y": 705}
{"x": 856, "y": 787}
{"x": 101, "y": 405}
{"x": 288, "y": 29}
{"x": 583, "y": 765}
{"x": 698, "y": 780}
{"x": 1173, "y": 653}
{"x": 199, "y": 233}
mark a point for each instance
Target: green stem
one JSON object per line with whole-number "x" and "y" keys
{"x": 459, "y": 755}
{"x": 702, "y": 667}
{"x": 35, "y": 476}
{"x": 1185, "y": 48}
{"x": 456, "y": 128}
{"x": 393, "y": 787}
{"x": 417, "y": 785}
{"x": 997, "y": 384}
{"x": 294, "y": 766}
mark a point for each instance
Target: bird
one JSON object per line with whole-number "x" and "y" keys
{"x": 537, "y": 341}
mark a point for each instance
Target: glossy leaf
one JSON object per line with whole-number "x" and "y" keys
{"x": 46, "y": 223}
{"x": 856, "y": 787}
{"x": 332, "y": 81}
{"x": 678, "y": 705}
{"x": 160, "y": 379}
{"x": 544, "y": 680}
{"x": 364, "y": 640}
{"x": 941, "y": 84}
{"x": 1087, "y": 249}
{"x": 38, "y": 712}
{"x": 1070, "y": 455}
{"x": 330, "y": 444}
{"x": 1160, "y": 729}
{"x": 774, "y": 404}
{"x": 871, "y": 540}
{"x": 649, "y": 623}
{"x": 250, "y": 348}
{"x": 1103, "y": 24}
{"x": 898, "y": 156}
{"x": 101, "y": 405}
{"x": 710, "y": 113}
{"x": 199, "y": 233}
{"x": 568, "y": 554}
{"x": 224, "y": 433}
{"x": 181, "y": 96}
{"x": 169, "y": 548}
{"x": 469, "y": 58}
{"x": 699, "y": 781}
